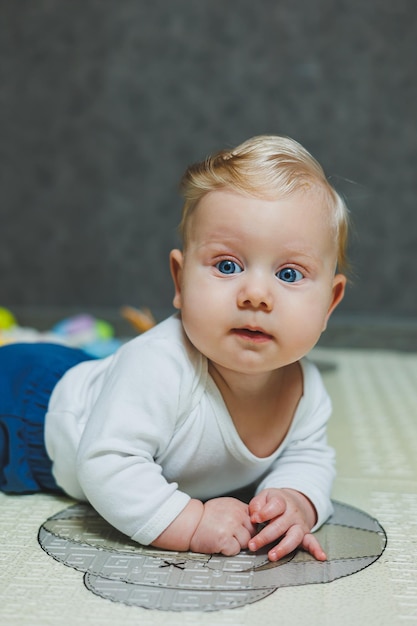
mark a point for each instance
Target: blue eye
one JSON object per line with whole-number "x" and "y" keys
{"x": 228, "y": 267}
{"x": 289, "y": 275}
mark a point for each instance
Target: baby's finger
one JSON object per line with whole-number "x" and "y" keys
{"x": 232, "y": 545}
{"x": 311, "y": 544}
{"x": 257, "y": 503}
{"x": 288, "y": 544}
{"x": 269, "y": 533}
{"x": 270, "y": 510}
{"x": 242, "y": 536}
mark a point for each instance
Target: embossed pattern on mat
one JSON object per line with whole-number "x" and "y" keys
{"x": 182, "y": 581}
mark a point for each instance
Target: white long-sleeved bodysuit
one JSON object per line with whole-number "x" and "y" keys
{"x": 141, "y": 432}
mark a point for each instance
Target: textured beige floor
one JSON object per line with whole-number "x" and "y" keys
{"x": 374, "y": 430}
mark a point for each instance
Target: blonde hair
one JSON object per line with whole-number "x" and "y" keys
{"x": 264, "y": 166}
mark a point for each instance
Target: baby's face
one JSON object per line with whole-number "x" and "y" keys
{"x": 256, "y": 283}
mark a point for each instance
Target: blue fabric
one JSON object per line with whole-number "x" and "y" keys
{"x": 28, "y": 375}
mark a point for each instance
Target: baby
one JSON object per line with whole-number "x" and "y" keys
{"x": 160, "y": 436}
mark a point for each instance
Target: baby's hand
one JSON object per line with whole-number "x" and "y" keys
{"x": 225, "y": 527}
{"x": 289, "y": 517}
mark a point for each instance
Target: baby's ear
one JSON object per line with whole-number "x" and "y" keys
{"x": 338, "y": 291}
{"x": 176, "y": 260}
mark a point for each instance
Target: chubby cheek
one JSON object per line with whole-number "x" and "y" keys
{"x": 309, "y": 320}
{"x": 199, "y": 309}
{"x": 202, "y": 313}
{"x": 198, "y": 325}
{"x": 200, "y": 292}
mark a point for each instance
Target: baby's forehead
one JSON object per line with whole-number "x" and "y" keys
{"x": 300, "y": 221}
{"x": 310, "y": 205}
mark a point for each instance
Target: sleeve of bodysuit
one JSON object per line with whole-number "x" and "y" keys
{"x": 132, "y": 422}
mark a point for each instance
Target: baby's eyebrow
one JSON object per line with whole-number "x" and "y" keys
{"x": 300, "y": 251}
{"x": 305, "y": 259}
{"x": 219, "y": 244}
{"x": 297, "y": 254}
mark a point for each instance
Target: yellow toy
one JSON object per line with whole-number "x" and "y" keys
{"x": 7, "y": 319}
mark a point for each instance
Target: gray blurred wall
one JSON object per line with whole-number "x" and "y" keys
{"x": 103, "y": 103}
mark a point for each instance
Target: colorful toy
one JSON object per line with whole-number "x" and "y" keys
{"x": 94, "y": 336}
{"x": 84, "y": 331}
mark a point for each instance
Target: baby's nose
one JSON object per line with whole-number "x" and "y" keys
{"x": 255, "y": 293}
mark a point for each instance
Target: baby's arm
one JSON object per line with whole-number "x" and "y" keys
{"x": 221, "y": 525}
{"x": 179, "y": 533}
{"x": 289, "y": 517}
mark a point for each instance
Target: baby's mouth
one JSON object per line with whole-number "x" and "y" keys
{"x": 252, "y": 334}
